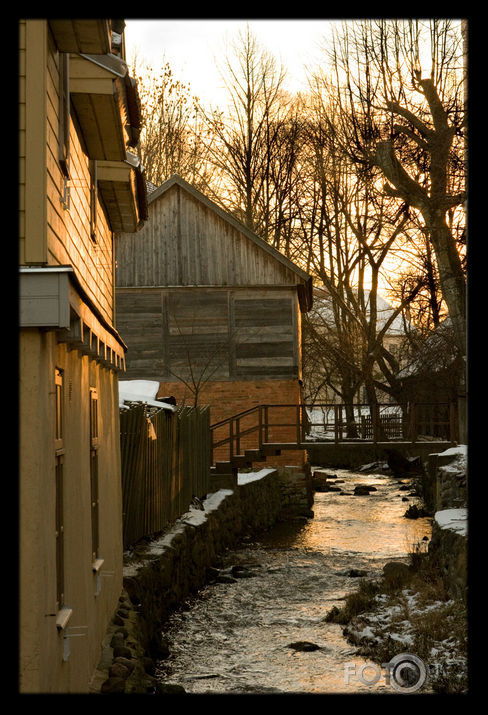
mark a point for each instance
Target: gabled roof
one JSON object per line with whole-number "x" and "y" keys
{"x": 305, "y": 291}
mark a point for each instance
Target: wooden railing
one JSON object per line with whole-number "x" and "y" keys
{"x": 295, "y": 426}
{"x": 165, "y": 461}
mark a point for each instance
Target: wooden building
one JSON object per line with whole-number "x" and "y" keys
{"x": 208, "y": 308}
{"x": 79, "y": 182}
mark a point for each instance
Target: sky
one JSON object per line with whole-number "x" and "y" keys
{"x": 193, "y": 47}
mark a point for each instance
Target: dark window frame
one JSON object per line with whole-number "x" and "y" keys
{"x": 59, "y": 486}
{"x": 64, "y": 115}
{"x": 94, "y": 485}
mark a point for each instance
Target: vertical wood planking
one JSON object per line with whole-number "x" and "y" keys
{"x": 161, "y": 476}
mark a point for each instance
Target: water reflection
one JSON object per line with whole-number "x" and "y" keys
{"x": 235, "y": 638}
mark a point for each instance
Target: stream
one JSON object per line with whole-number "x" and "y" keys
{"x": 236, "y": 637}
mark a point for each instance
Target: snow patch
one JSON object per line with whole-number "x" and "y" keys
{"x": 246, "y": 477}
{"x": 141, "y": 391}
{"x": 453, "y": 519}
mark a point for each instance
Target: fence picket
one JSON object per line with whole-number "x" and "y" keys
{"x": 160, "y": 477}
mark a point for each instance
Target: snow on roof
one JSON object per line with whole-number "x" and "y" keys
{"x": 323, "y": 301}
{"x": 436, "y": 353}
{"x": 141, "y": 391}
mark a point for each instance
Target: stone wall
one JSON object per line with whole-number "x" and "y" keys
{"x": 449, "y": 547}
{"x": 444, "y": 492}
{"x": 296, "y": 491}
{"x": 445, "y": 481}
{"x": 161, "y": 573}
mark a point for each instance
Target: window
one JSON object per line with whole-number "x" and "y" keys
{"x": 59, "y": 466}
{"x": 94, "y": 472}
{"x": 93, "y": 199}
{"x": 64, "y": 114}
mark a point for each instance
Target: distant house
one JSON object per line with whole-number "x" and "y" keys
{"x": 433, "y": 373}
{"x": 78, "y": 184}
{"x": 431, "y": 381}
{"x": 208, "y": 308}
{"x": 322, "y": 317}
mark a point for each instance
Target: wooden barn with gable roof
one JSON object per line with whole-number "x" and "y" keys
{"x": 209, "y": 309}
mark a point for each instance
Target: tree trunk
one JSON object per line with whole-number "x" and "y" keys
{"x": 348, "y": 397}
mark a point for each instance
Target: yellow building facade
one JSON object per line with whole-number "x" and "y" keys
{"x": 79, "y": 183}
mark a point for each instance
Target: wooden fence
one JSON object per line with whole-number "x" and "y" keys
{"x": 165, "y": 459}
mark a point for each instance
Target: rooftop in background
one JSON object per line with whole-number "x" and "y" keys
{"x": 322, "y": 299}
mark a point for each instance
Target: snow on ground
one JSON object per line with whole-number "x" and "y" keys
{"x": 141, "y": 391}
{"x": 397, "y": 622}
{"x": 454, "y": 519}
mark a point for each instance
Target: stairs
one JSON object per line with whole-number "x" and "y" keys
{"x": 244, "y": 461}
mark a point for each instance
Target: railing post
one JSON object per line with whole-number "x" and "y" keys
{"x": 336, "y": 423}
{"x": 413, "y": 422}
{"x": 452, "y": 421}
{"x": 260, "y": 432}
{"x": 376, "y": 421}
{"x": 238, "y": 436}
{"x": 231, "y": 439}
{"x": 298, "y": 426}
{"x": 266, "y": 425}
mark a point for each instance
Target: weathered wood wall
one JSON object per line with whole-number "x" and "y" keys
{"x": 186, "y": 243}
{"x": 221, "y": 334}
{"x": 50, "y": 232}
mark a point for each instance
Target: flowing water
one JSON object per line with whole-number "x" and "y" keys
{"x": 235, "y": 637}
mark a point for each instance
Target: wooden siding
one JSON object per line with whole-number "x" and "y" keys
{"x": 22, "y": 136}
{"x": 229, "y": 334}
{"x": 264, "y": 336}
{"x": 49, "y": 233}
{"x": 186, "y": 243}
{"x": 33, "y": 49}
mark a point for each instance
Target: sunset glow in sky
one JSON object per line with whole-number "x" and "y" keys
{"x": 194, "y": 48}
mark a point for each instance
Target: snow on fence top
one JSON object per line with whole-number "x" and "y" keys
{"x": 141, "y": 391}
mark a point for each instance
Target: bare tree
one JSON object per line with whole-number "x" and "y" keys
{"x": 347, "y": 234}
{"x": 254, "y": 139}
{"x": 408, "y": 128}
{"x": 196, "y": 355}
{"x": 173, "y": 131}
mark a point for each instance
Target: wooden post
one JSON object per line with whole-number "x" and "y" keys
{"x": 260, "y": 431}
{"x": 452, "y": 422}
{"x": 413, "y": 422}
{"x": 238, "y": 436}
{"x": 298, "y": 426}
{"x": 376, "y": 422}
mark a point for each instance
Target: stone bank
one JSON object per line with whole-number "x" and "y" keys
{"x": 445, "y": 493}
{"x": 160, "y": 573}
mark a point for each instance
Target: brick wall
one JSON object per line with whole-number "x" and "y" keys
{"x": 227, "y": 398}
